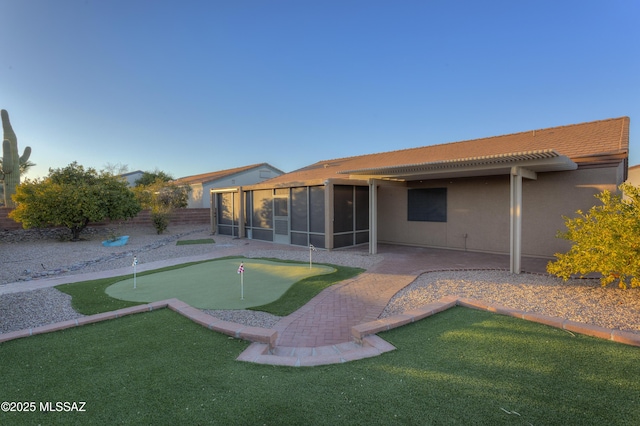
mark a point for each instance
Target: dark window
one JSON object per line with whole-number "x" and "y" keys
{"x": 343, "y": 208}
{"x": 427, "y": 205}
{"x": 248, "y": 210}
{"x": 316, "y": 240}
{"x": 262, "y": 209}
{"x": 262, "y": 234}
{"x": 299, "y": 208}
{"x": 316, "y": 209}
{"x": 300, "y": 238}
{"x": 280, "y": 206}
{"x": 343, "y": 240}
{"x": 362, "y": 208}
{"x": 225, "y": 209}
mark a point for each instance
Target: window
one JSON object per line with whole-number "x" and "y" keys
{"x": 427, "y": 205}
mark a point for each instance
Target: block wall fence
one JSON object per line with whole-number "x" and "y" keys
{"x": 178, "y": 217}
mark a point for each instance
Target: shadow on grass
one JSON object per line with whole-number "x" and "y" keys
{"x": 461, "y": 366}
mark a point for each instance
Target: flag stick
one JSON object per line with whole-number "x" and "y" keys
{"x": 311, "y": 249}
{"x": 241, "y": 272}
{"x": 135, "y": 262}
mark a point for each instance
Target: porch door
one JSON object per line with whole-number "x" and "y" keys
{"x": 281, "y": 217}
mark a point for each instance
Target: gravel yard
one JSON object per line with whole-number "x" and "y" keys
{"x": 40, "y": 256}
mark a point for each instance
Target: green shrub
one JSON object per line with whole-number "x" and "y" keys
{"x": 160, "y": 220}
{"x": 606, "y": 240}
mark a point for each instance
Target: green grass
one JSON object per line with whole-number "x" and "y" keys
{"x": 90, "y": 297}
{"x": 190, "y": 242}
{"x": 461, "y": 366}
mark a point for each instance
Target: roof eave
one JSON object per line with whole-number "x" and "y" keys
{"x": 537, "y": 161}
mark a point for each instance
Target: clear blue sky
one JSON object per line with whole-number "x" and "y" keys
{"x": 190, "y": 87}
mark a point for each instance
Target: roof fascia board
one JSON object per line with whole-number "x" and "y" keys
{"x": 466, "y": 169}
{"x": 223, "y": 190}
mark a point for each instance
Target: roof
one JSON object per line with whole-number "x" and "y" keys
{"x": 221, "y": 174}
{"x": 136, "y": 172}
{"x": 592, "y": 143}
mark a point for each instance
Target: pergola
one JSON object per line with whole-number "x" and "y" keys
{"x": 518, "y": 165}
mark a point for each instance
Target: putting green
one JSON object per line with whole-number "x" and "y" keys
{"x": 217, "y": 284}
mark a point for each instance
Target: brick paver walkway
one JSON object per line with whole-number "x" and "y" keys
{"x": 327, "y": 319}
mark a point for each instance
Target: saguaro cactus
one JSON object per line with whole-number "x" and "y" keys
{"x": 10, "y": 160}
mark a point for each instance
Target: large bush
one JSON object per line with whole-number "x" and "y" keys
{"x": 72, "y": 197}
{"x": 606, "y": 240}
{"x": 161, "y": 197}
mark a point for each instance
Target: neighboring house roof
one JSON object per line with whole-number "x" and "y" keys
{"x": 221, "y": 174}
{"x": 136, "y": 172}
{"x": 593, "y": 143}
{"x": 131, "y": 177}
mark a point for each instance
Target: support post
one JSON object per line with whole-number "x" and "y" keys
{"x": 212, "y": 212}
{"x": 373, "y": 217}
{"x": 241, "y": 230}
{"x": 515, "y": 240}
{"x": 515, "y": 250}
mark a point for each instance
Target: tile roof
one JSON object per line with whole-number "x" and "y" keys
{"x": 220, "y": 174}
{"x": 583, "y": 143}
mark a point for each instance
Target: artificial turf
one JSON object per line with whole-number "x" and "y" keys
{"x": 461, "y": 366}
{"x": 90, "y": 297}
{"x": 217, "y": 284}
{"x": 192, "y": 242}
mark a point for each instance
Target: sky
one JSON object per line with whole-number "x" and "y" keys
{"x": 190, "y": 87}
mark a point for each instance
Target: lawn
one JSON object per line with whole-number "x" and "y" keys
{"x": 461, "y": 366}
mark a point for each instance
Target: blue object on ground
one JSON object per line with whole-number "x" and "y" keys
{"x": 120, "y": 241}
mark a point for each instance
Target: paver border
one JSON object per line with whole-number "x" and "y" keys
{"x": 252, "y": 334}
{"x": 364, "y": 335}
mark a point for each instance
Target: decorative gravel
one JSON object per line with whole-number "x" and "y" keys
{"x": 582, "y": 300}
{"x": 29, "y": 309}
{"x": 246, "y": 317}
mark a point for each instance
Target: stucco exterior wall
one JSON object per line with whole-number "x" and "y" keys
{"x": 196, "y": 198}
{"x": 634, "y": 175}
{"x": 199, "y": 197}
{"x": 477, "y": 208}
{"x": 478, "y": 211}
{"x": 554, "y": 195}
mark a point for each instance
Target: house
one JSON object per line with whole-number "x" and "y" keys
{"x": 132, "y": 177}
{"x": 202, "y": 184}
{"x": 504, "y": 194}
{"x": 634, "y": 175}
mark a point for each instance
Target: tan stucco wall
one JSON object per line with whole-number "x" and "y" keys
{"x": 479, "y": 209}
{"x": 634, "y": 175}
{"x": 196, "y": 199}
